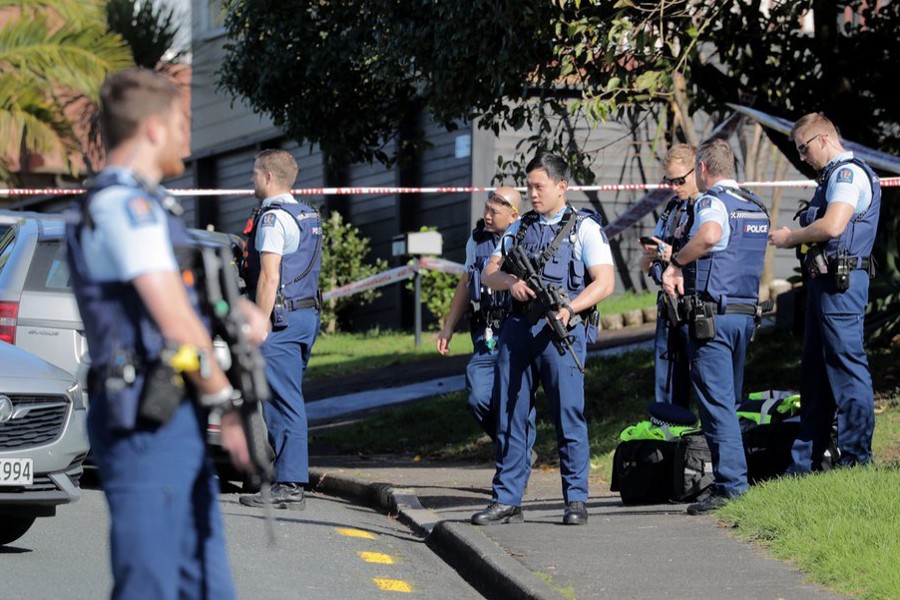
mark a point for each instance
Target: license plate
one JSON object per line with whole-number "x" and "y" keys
{"x": 16, "y": 471}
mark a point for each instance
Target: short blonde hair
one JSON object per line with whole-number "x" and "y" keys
{"x": 816, "y": 123}
{"x": 280, "y": 164}
{"x": 683, "y": 153}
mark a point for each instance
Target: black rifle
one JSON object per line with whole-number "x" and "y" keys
{"x": 549, "y": 299}
{"x": 219, "y": 283}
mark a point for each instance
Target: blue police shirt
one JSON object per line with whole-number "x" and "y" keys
{"x": 849, "y": 184}
{"x": 278, "y": 231}
{"x": 590, "y": 245}
{"x": 709, "y": 209}
{"x": 130, "y": 237}
{"x": 470, "y": 253}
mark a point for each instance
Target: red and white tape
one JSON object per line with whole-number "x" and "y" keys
{"x": 361, "y": 191}
{"x": 394, "y": 275}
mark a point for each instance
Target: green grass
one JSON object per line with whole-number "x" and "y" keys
{"x": 442, "y": 427}
{"x": 617, "y": 391}
{"x": 620, "y": 303}
{"x": 841, "y": 528}
{"x": 566, "y": 592}
{"x": 344, "y": 353}
{"x": 439, "y": 428}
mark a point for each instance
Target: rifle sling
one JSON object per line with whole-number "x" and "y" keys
{"x": 567, "y": 224}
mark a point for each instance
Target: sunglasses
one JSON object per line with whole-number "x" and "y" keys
{"x": 495, "y": 197}
{"x": 802, "y": 148}
{"x": 677, "y": 180}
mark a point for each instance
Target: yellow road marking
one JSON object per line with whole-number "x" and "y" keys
{"x": 358, "y": 533}
{"x": 392, "y": 585}
{"x": 377, "y": 557}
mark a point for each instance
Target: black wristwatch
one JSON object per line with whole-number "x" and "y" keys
{"x": 675, "y": 263}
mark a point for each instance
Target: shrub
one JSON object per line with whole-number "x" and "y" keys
{"x": 343, "y": 261}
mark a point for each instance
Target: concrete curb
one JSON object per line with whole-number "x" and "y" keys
{"x": 461, "y": 545}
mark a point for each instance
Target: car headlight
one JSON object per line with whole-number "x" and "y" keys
{"x": 75, "y": 396}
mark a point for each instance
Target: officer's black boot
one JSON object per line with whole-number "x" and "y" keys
{"x": 497, "y": 513}
{"x": 576, "y": 514}
{"x": 282, "y": 495}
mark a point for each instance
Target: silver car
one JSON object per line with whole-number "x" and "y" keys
{"x": 38, "y": 311}
{"x": 43, "y": 440}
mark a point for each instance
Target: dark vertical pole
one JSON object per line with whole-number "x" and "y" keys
{"x": 207, "y": 206}
{"x": 418, "y": 302}
{"x": 409, "y": 174}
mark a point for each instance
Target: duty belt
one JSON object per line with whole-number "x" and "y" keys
{"x": 736, "y": 309}
{"x": 299, "y": 303}
{"x": 860, "y": 262}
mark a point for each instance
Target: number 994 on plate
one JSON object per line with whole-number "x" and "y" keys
{"x": 16, "y": 471}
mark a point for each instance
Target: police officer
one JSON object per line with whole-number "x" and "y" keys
{"x": 670, "y": 348}
{"x": 487, "y": 309}
{"x": 575, "y": 256}
{"x": 719, "y": 270}
{"x": 839, "y": 230}
{"x": 283, "y": 260}
{"x": 148, "y": 435}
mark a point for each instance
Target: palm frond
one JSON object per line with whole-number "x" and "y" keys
{"x": 75, "y": 14}
{"x": 149, "y": 29}
{"x": 68, "y": 59}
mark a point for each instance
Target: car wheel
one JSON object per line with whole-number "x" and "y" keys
{"x": 12, "y": 528}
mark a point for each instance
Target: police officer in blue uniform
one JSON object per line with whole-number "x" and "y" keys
{"x": 575, "y": 257}
{"x": 719, "y": 271}
{"x": 670, "y": 346}
{"x": 283, "y": 261}
{"x": 487, "y": 309}
{"x": 838, "y": 229}
{"x": 148, "y": 435}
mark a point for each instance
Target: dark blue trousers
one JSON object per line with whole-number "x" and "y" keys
{"x": 834, "y": 375}
{"x": 717, "y": 375}
{"x": 673, "y": 379}
{"x": 287, "y": 353}
{"x": 167, "y": 540}
{"x": 480, "y": 384}
{"x": 526, "y": 352}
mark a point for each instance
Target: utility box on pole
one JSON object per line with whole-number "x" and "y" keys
{"x": 416, "y": 244}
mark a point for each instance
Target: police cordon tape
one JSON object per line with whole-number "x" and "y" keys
{"x": 657, "y": 193}
{"x": 394, "y": 275}
{"x": 359, "y": 191}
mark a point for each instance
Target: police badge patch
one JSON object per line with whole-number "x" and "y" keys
{"x": 844, "y": 176}
{"x": 705, "y": 202}
{"x": 268, "y": 220}
{"x": 140, "y": 212}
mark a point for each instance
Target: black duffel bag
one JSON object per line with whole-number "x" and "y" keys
{"x": 642, "y": 471}
{"x": 657, "y": 471}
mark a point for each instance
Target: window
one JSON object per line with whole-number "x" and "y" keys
{"x": 7, "y": 235}
{"x": 49, "y": 270}
{"x": 212, "y": 18}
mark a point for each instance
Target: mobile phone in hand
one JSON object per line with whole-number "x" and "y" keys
{"x": 647, "y": 241}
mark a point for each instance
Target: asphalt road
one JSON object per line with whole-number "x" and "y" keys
{"x": 333, "y": 549}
